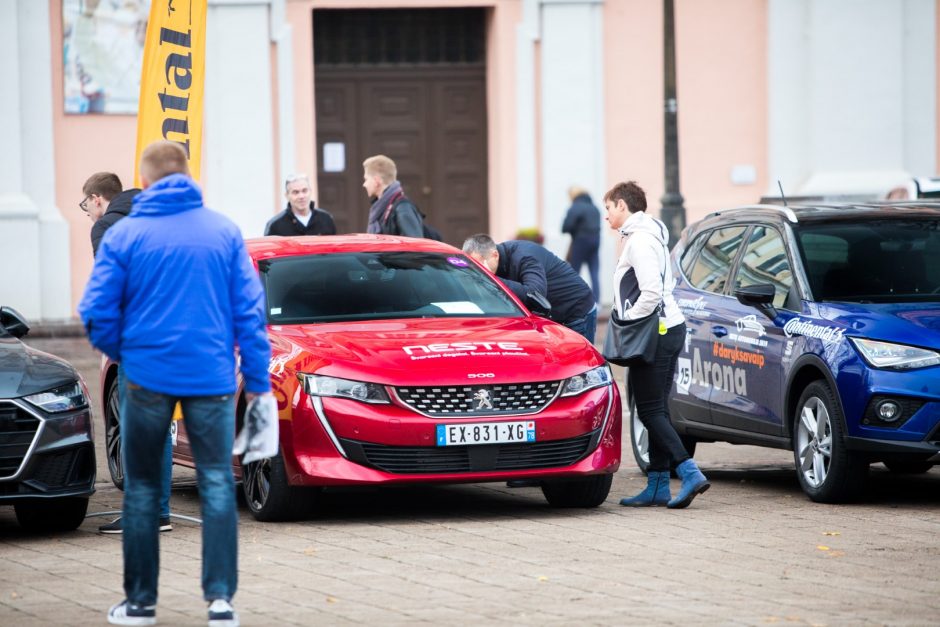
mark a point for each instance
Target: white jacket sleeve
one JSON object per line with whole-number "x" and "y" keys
{"x": 646, "y": 256}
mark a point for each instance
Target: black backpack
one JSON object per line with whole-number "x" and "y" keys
{"x": 427, "y": 231}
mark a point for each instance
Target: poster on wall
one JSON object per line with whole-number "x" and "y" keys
{"x": 103, "y": 48}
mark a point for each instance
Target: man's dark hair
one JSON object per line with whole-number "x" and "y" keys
{"x": 630, "y": 193}
{"x": 104, "y": 184}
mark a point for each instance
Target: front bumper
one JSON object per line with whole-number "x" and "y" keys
{"x": 333, "y": 443}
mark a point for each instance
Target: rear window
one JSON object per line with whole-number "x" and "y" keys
{"x": 378, "y": 286}
{"x": 872, "y": 261}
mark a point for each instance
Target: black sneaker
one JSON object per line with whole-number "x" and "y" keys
{"x": 222, "y": 614}
{"x": 165, "y": 524}
{"x": 112, "y": 527}
{"x": 125, "y": 613}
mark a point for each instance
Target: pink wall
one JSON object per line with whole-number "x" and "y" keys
{"x": 721, "y": 61}
{"x": 83, "y": 145}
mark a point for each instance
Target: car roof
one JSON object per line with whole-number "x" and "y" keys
{"x": 274, "y": 246}
{"x": 826, "y": 212}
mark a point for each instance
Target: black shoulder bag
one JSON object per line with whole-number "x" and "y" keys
{"x": 633, "y": 342}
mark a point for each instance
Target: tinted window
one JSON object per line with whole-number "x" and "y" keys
{"x": 688, "y": 255}
{"x": 874, "y": 260}
{"x": 371, "y": 286}
{"x": 765, "y": 261}
{"x": 713, "y": 265}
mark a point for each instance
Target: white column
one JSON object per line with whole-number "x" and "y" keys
{"x": 34, "y": 242}
{"x": 852, "y": 94}
{"x": 527, "y": 34}
{"x": 239, "y": 137}
{"x": 572, "y": 129}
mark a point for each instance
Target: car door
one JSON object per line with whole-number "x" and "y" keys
{"x": 705, "y": 270}
{"x": 746, "y": 347}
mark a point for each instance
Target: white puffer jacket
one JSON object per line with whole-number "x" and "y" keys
{"x": 643, "y": 276}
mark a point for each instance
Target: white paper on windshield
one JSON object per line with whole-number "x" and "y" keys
{"x": 459, "y": 307}
{"x": 275, "y": 311}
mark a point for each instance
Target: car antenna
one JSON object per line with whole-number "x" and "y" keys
{"x": 782, "y": 195}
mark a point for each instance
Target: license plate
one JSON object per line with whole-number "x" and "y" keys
{"x": 486, "y": 433}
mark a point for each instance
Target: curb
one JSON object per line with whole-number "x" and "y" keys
{"x": 56, "y": 329}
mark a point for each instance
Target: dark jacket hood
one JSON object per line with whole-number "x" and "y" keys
{"x": 122, "y": 203}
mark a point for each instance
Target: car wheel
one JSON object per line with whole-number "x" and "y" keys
{"x": 112, "y": 435}
{"x": 908, "y": 467}
{"x": 584, "y": 492}
{"x": 64, "y": 514}
{"x": 639, "y": 439}
{"x": 828, "y": 472}
{"x": 268, "y": 494}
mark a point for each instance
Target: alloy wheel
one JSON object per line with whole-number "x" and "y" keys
{"x": 113, "y": 437}
{"x": 814, "y": 441}
{"x": 641, "y": 437}
{"x": 256, "y": 479}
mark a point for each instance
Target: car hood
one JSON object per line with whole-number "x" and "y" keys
{"x": 442, "y": 351}
{"x": 906, "y": 323}
{"x": 24, "y": 370}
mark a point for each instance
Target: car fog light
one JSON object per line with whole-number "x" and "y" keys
{"x": 889, "y": 411}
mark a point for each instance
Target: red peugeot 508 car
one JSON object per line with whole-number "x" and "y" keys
{"x": 401, "y": 360}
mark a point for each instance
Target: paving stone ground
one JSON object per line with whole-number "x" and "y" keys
{"x": 751, "y": 551}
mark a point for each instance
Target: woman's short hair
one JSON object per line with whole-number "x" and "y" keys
{"x": 382, "y": 167}
{"x": 163, "y": 158}
{"x": 630, "y": 193}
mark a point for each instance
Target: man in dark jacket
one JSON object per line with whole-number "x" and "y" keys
{"x": 583, "y": 223}
{"x": 302, "y": 216}
{"x": 392, "y": 213}
{"x": 173, "y": 286}
{"x": 105, "y": 203}
{"x": 525, "y": 267}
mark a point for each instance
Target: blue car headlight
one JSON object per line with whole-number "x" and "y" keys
{"x": 319, "y": 385}
{"x": 63, "y": 398}
{"x": 894, "y": 356}
{"x": 585, "y": 381}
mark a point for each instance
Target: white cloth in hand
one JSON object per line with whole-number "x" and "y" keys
{"x": 258, "y": 438}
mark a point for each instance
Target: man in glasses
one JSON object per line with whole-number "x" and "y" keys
{"x": 302, "y": 216}
{"x": 106, "y": 202}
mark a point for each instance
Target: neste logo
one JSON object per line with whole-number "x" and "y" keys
{"x": 452, "y": 347}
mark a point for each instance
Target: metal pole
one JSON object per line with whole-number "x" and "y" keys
{"x": 673, "y": 210}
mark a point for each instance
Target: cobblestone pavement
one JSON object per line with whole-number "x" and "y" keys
{"x": 751, "y": 551}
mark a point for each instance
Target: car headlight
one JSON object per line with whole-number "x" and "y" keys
{"x": 60, "y": 399}
{"x": 894, "y": 356}
{"x": 319, "y": 385}
{"x": 586, "y": 381}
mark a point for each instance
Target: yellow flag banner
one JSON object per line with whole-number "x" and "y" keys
{"x": 172, "y": 79}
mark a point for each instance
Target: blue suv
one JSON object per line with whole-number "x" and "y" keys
{"x": 814, "y": 329}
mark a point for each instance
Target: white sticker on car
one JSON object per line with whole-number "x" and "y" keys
{"x": 683, "y": 375}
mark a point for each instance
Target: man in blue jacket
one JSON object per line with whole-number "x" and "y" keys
{"x": 171, "y": 295}
{"x": 526, "y": 268}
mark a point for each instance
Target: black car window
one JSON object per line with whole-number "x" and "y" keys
{"x": 765, "y": 262}
{"x": 713, "y": 265}
{"x": 379, "y": 286}
{"x": 875, "y": 260}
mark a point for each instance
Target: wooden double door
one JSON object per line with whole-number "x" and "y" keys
{"x": 430, "y": 121}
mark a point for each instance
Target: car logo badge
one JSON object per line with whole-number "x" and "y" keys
{"x": 482, "y": 398}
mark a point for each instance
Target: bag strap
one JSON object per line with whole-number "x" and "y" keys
{"x": 391, "y": 205}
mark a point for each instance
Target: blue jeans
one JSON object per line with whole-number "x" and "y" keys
{"x": 166, "y": 478}
{"x": 210, "y": 424}
{"x": 586, "y": 326}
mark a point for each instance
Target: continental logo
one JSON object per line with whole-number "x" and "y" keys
{"x": 798, "y": 326}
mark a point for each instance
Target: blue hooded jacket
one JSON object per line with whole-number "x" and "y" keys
{"x": 173, "y": 291}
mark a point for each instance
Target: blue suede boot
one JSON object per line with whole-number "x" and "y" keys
{"x": 693, "y": 484}
{"x": 655, "y": 493}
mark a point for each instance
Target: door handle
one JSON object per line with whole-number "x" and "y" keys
{"x": 719, "y": 331}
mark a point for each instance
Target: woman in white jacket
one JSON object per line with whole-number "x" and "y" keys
{"x": 643, "y": 279}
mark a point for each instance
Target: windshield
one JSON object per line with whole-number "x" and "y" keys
{"x": 379, "y": 286}
{"x": 892, "y": 260}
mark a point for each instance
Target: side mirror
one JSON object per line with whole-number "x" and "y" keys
{"x": 760, "y": 296}
{"x": 13, "y": 322}
{"x": 538, "y": 304}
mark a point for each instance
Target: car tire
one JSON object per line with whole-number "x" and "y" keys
{"x": 583, "y": 492}
{"x": 914, "y": 467}
{"x": 639, "y": 441}
{"x": 112, "y": 435}
{"x": 268, "y": 495}
{"x": 44, "y": 515}
{"x": 827, "y": 471}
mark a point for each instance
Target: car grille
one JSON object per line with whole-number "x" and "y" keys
{"x": 17, "y": 430}
{"x": 479, "y": 400}
{"x": 478, "y": 458}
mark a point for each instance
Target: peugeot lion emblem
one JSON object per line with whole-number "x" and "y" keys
{"x": 482, "y": 398}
